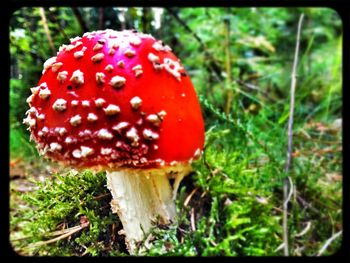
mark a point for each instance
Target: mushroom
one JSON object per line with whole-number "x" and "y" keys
{"x": 120, "y": 101}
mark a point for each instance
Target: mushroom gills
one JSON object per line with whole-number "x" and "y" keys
{"x": 144, "y": 197}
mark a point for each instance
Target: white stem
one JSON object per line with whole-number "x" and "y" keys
{"x": 142, "y": 197}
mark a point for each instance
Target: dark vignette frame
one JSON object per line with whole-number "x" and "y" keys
{"x": 340, "y": 6}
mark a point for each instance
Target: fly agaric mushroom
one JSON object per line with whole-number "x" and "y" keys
{"x": 120, "y": 101}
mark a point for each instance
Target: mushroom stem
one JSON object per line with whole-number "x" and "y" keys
{"x": 142, "y": 197}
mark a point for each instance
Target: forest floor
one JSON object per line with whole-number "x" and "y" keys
{"x": 224, "y": 207}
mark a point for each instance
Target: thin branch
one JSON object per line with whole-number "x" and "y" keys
{"x": 305, "y": 230}
{"x": 286, "y": 197}
{"x": 67, "y": 233}
{"x": 254, "y": 88}
{"x": 53, "y": 19}
{"x": 292, "y": 98}
{"x": 101, "y": 18}
{"x": 80, "y": 19}
{"x": 229, "y": 91}
{"x": 213, "y": 64}
{"x": 46, "y": 28}
{"x": 193, "y": 222}
{"x": 190, "y": 196}
{"x": 328, "y": 242}
{"x": 291, "y": 188}
{"x": 285, "y": 218}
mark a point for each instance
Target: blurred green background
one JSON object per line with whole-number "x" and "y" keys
{"x": 240, "y": 61}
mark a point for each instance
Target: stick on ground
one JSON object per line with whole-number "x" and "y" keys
{"x": 290, "y": 140}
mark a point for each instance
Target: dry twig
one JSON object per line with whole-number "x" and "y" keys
{"x": 188, "y": 198}
{"x": 193, "y": 223}
{"x": 46, "y": 28}
{"x": 66, "y": 233}
{"x": 286, "y": 197}
{"x": 229, "y": 92}
{"x": 328, "y": 242}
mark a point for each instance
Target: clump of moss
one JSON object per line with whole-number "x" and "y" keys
{"x": 64, "y": 202}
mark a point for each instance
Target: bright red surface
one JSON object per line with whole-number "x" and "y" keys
{"x": 181, "y": 132}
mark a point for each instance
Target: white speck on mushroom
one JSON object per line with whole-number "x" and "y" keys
{"x": 34, "y": 90}
{"x": 115, "y": 44}
{"x": 104, "y": 134}
{"x": 61, "y": 130}
{"x": 92, "y": 117}
{"x": 29, "y": 121}
{"x": 112, "y": 109}
{"x": 85, "y": 134}
{"x": 99, "y": 102}
{"x": 62, "y": 76}
{"x": 134, "y": 40}
{"x": 60, "y": 105}
{"x": 56, "y": 66}
{"x": 48, "y": 63}
{"x": 54, "y": 146}
{"x": 173, "y": 68}
{"x": 161, "y": 114}
{"x": 132, "y": 135}
{"x": 77, "y": 153}
{"x": 101, "y": 40}
{"x": 129, "y": 53}
{"x": 150, "y": 135}
{"x": 86, "y": 151}
{"x": 77, "y": 77}
{"x": 173, "y": 163}
{"x": 109, "y": 68}
{"x": 183, "y": 95}
{"x": 120, "y": 126}
{"x": 69, "y": 140}
{"x": 139, "y": 122}
{"x": 44, "y": 93}
{"x": 155, "y": 147}
{"x": 30, "y": 99}
{"x": 117, "y": 82}
{"x": 85, "y": 103}
{"x": 40, "y": 134}
{"x": 89, "y": 35}
{"x": 100, "y": 78}
{"x": 78, "y": 54}
{"x": 45, "y": 130}
{"x": 32, "y": 111}
{"x": 135, "y": 102}
{"x": 154, "y": 119}
{"x": 74, "y": 103}
{"x": 106, "y": 151}
{"x": 160, "y": 161}
{"x": 97, "y": 47}
{"x": 74, "y": 39}
{"x": 61, "y": 48}
{"x": 120, "y": 64}
{"x": 152, "y": 57}
{"x": 97, "y": 58}
{"x": 75, "y": 120}
{"x": 111, "y": 51}
{"x": 71, "y": 47}
{"x": 157, "y": 66}
{"x": 41, "y": 116}
{"x": 158, "y": 45}
{"x": 137, "y": 70}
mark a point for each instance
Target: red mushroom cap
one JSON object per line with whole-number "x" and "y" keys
{"x": 116, "y": 99}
